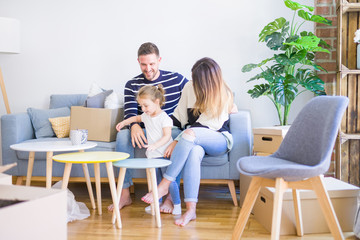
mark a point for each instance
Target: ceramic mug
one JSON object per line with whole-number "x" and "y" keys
{"x": 78, "y": 136}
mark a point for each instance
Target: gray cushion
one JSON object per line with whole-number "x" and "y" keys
{"x": 98, "y": 100}
{"x": 40, "y": 120}
{"x": 67, "y": 100}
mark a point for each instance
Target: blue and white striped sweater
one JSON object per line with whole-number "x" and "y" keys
{"x": 172, "y": 82}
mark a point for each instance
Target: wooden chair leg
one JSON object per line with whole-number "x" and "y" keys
{"x": 231, "y": 186}
{"x": 298, "y": 215}
{"x": 120, "y": 185}
{"x": 280, "y": 187}
{"x": 250, "y": 198}
{"x": 326, "y": 207}
{"x": 19, "y": 180}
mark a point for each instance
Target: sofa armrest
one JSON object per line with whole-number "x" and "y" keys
{"x": 15, "y": 128}
{"x": 240, "y": 128}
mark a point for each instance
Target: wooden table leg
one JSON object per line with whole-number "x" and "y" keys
{"x": 30, "y": 168}
{"x": 98, "y": 186}
{"x": 120, "y": 185}
{"x": 110, "y": 173}
{"x": 155, "y": 196}
{"x": 67, "y": 171}
{"x": 88, "y": 184}
{"x": 148, "y": 178}
{"x": 49, "y": 156}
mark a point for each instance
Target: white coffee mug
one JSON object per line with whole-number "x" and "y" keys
{"x": 78, "y": 136}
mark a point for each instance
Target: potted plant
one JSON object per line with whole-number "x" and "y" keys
{"x": 293, "y": 63}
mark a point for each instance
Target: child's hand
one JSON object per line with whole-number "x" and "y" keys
{"x": 170, "y": 149}
{"x": 150, "y": 147}
{"x": 120, "y": 125}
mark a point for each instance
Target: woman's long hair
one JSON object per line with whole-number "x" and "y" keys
{"x": 211, "y": 91}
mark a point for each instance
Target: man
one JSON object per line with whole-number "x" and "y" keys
{"x": 127, "y": 139}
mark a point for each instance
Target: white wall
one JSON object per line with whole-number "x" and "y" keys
{"x": 66, "y": 45}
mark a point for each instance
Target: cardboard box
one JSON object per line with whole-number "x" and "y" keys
{"x": 343, "y": 197}
{"x": 100, "y": 122}
{"x": 42, "y": 215}
{"x": 268, "y": 139}
{"x": 5, "y": 179}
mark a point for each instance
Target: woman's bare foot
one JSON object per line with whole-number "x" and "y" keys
{"x": 188, "y": 216}
{"x": 125, "y": 200}
{"x": 163, "y": 189}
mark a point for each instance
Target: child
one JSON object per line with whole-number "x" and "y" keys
{"x": 158, "y": 130}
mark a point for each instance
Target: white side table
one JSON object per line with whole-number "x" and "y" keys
{"x": 49, "y": 147}
{"x": 149, "y": 165}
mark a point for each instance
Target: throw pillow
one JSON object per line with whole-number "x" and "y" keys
{"x": 98, "y": 100}
{"x": 95, "y": 89}
{"x": 40, "y": 120}
{"x": 61, "y": 126}
{"x": 113, "y": 101}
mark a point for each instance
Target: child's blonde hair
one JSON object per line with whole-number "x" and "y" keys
{"x": 152, "y": 92}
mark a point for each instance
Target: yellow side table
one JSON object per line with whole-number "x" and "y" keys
{"x": 96, "y": 158}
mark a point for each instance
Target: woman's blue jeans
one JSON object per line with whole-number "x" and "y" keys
{"x": 188, "y": 154}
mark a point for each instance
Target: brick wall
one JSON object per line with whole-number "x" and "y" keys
{"x": 327, "y": 8}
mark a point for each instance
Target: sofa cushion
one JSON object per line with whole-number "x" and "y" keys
{"x": 40, "y": 120}
{"x": 98, "y": 100}
{"x": 61, "y": 126}
{"x": 67, "y": 100}
{"x": 215, "y": 160}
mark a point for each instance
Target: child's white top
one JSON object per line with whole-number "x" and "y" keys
{"x": 154, "y": 131}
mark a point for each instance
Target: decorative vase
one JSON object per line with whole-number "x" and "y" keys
{"x": 358, "y": 56}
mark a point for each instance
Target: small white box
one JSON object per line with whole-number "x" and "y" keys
{"x": 41, "y": 215}
{"x": 343, "y": 197}
{"x": 268, "y": 139}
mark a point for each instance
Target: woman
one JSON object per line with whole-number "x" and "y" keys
{"x": 210, "y": 101}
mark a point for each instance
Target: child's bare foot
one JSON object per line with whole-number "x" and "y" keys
{"x": 125, "y": 200}
{"x": 188, "y": 216}
{"x": 167, "y": 206}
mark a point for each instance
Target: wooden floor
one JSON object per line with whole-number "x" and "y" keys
{"x": 216, "y": 217}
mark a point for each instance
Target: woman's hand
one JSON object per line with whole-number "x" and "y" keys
{"x": 170, "y": 149}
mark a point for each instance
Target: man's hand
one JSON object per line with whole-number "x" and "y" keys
{"x": 170, "y": 149}
{"x": 138, "y": 136}
{"x": 120, "y": 125}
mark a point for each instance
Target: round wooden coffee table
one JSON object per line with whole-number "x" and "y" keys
{"x": 149, "y": 165}
{"x": 49, "y": 147}
{"x": 96, "y": 158}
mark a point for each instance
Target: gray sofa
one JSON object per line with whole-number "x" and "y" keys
{"x": 17, "y": 128}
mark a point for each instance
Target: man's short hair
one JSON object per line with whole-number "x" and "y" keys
{"x": 148, "y": 48}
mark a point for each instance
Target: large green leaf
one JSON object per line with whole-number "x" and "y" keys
{"x": 284, "y": 90}
{"x": 294, "y": 58}
{"x": 274, "y": 26}
{"x": 314, "y": 18}
{"x": 310, "y": 43}
{"x": 256, "y": 77}
{"x": 310, "y": 81}
{"x": 248, "y": 67}
{"x": 259, "y": 90}
{"x": 274, "y": 40}
{"x": 296, "y": 6}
